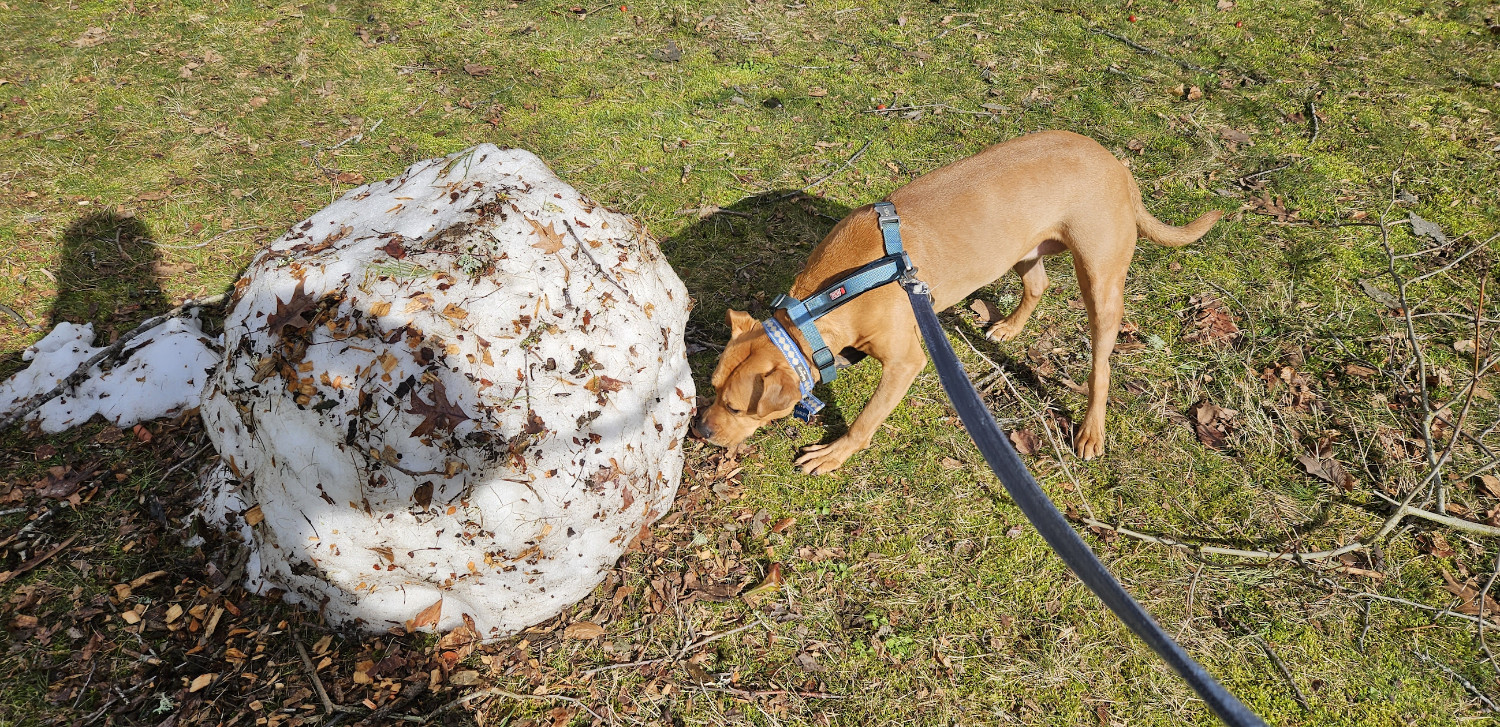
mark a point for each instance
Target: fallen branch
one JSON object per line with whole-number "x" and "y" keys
{"x": 847, "y": 163}
{"x": 34, "y": 562}
{"x": 496, "y": 692}
{"x": 1286, "y": 674}
{"x": 684, "y": 651}
{"x": 26, "y": 409}
{"x": 312, "y": 673}
{"x": 1149, "y": 51}
{"x": 1467, "y": 685}
{"x": 1405, "y": 509}
{"x": 1290, "y": 556}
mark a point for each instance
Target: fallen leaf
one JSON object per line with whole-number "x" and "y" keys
{"x": 669, "y": 53}
{"x": 1491, "y": 485}
{"x": 1328, "y": 470}
{"x": 201, "y": 681}
{"x": 551, "y": 240}
{"x": 1423, "y": 228}
{"x": 1211, "y": 323}
{"x": 426, "y": 617}
{"x": 1212, "y": 423}
{"x": 465, "y": 678}
{"x": 583, "y": 631}
{"x": 477, "y": 70}
{"x": 1469, "y": 597}
{"x": 817, "y": 92}
{"x": 987, "y": 313}
{"x": 1024, "y": 441}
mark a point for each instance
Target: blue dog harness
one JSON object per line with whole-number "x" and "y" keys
{"x": 894, "y": 266}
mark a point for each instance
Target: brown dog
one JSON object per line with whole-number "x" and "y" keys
{"x": 964, "y": 225}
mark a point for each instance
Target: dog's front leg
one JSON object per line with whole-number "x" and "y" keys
{"x": 897, "y": 374}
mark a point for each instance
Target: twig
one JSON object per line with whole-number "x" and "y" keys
{"x": 408, "y": 695}
{"x": 752, "y": 693}
{"x": 1483, "y": 596}
{"x": 1467, "y": 685}
{"x": 1312, "y": 115}
{"x": 7, "y": 310}
{"x": 210, "y": 240}
{"x": 1434, "y": 609}
{"x": 1405, "y": 508}
{"x": 1057, "y": 449}
{"x": 1291, "y": 556}
{"x": 1437, "y": 483}
{"x": 684, "y": 651}
{"x": 1481, "y": 246}
{"x": 1286, "y": 674}
{"x": 496, "y": 692}
{"x": 79, "y": 374}
{"x": 1149, "y": 51}
{"x": 847, "y": 163}
{"x": 34, "y": 562}
{"x": 312, "y": 673}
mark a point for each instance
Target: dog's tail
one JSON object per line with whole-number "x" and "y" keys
{"x": 1162, "y": 233}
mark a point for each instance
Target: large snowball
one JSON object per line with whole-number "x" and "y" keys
{"x": 465, "y": 385}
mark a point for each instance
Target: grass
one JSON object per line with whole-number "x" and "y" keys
{"x": 915, "y": 588}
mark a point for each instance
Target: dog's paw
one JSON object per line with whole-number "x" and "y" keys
{"x": 1002, "y": 331}
{"x": 1089, "y": 443}
{"x": 820, "y": 459}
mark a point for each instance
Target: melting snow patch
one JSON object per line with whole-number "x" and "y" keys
{"x": 163, "y": 373}
{"x": 451, "y": 398}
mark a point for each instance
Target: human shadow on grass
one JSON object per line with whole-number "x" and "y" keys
{"x": 105, "y": 275}
{"x": 741, "y": 257}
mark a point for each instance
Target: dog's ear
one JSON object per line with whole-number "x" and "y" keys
{"x": 779, "y": 391}
{"x": 739, "y": 322}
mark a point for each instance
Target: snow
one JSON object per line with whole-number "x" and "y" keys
{"x": 452, "y": 396}
{"x": 163, "y": 373}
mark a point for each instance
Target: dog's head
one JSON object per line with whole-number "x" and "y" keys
{"x": 754, "y": 385}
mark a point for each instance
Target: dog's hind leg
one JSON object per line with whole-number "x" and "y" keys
{"x": 1033, "y": 283}
{"x": 1102, "y": 284}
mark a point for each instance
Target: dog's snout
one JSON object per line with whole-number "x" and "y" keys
{"x": 701, "y": 429}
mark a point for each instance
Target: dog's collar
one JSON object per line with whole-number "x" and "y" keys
{"x": 809, "y": 404}
{"x": 802, "y": 313}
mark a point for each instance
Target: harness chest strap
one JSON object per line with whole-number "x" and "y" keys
{"x": 802, "y": 313}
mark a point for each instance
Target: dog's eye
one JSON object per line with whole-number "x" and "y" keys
{"x": 733, "y": 410}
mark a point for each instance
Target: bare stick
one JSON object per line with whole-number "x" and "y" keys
{"x": 1437, "y": 483}
{"x": 1286, "y": 674}
{"x": 847, "y": 163}
{"x": 24, "y": 410}
{"x": 1483, "y": 595}
{"x": 1149, "y": 51}
{"x": 1290, "y": 556}
{"x": 1404, "y": 509}
{"x": 312, "y": 673}
{"x": 495, "y": 692}
{"x": 1467, "y": 685}
{"x": 1434, "y": 609}
{"x": 684, "y": 651}
{"x": 1456, "y": 261}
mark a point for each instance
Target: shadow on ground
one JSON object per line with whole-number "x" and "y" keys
{"x": 741, "y": 257}
{"x": 106, "y": 274}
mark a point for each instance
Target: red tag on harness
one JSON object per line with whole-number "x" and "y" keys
{"x": 835, "y": 295}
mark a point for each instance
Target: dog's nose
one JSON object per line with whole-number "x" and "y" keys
{"x": 701, "y": 430}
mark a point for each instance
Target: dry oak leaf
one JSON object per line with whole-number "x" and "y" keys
{"x": 292, "y": 312}
{"x": 551, "y": 240}
{"x": 426, "y": 617}
{"x": 1212, "y": 423}
{"x": 90, "y": 38}
{"x": 1211, "y": 323}
{"x": 441, "y": 413}
{"x": 477, "y": 70}
{"x": 583, "y": 631}
{"x": 987, "y": 313}
{"x": 1025, "y": 442}
{"x": 1328, "y": 470}
{"x": 1469, "y": 597}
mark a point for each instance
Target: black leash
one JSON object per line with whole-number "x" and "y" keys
{"x": 1050, "y": 523}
